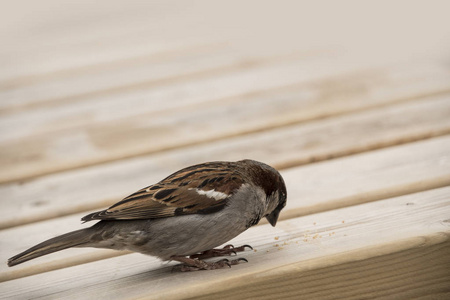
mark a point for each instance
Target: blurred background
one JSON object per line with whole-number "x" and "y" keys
{"x": 100, "y": 98}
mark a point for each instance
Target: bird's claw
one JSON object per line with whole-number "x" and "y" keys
{"x": 226, "y": 250}
{"x": 190, "y": 264}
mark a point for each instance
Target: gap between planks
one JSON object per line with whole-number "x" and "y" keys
{"x": 355, "y": 241}
{"x": 324, "y": 187}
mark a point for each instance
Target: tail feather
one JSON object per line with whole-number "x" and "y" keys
{"x": 68, "y": 240}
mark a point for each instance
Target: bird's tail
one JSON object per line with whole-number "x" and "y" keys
{"x": 68, "y": 240}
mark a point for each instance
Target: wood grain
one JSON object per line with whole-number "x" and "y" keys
{"x": 313, "y": 188}
{"x": 141, "y": 97}
{"x": 418, "y": 272}
{"x": 349, "y": 243}
{"x": 245, "y": 77}
{"x": 100, "y": 186}
{"x": 136, "y": 78}
{"x": 33, "y": 154}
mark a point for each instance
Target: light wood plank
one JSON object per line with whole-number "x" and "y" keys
{"x": 257, "y": 77}
{"x": 406, "y": 237}
{"x": 105, "y": 33}
{"x": 80, "y": 82}
{"x": 138, "y": 98}
{"x": 313, "y": 188}
{"x": 385, "y": 276}
{"x": 63, "y": 57}
{"x": 37, "y": 40}
{"x": 96, "y": 187}
{"x": 31, "y": 154}
{"x": 100, "y": 81}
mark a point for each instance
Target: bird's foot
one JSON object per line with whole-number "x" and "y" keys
{"x": 225, "y": 251}
{"x": 193, "y": 264}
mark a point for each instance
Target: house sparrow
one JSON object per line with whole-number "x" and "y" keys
{"x": 183, "y": 217}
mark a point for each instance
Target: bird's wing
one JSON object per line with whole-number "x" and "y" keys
{"x": 202, "y": 189}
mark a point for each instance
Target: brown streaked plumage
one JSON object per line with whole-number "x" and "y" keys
{"x": 184, "y": 216}
{"x": 177, "y": 194}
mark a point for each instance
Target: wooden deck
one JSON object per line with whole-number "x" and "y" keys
{"x": 97, "y": 102}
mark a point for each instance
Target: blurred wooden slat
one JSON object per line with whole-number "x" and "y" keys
{"x": 55, "y": 35}
{"x": 92, "y": 188}
{"x": 311, "y": 189}
{"x": 344, "y": 246}
{"x": 94, "y": 79}
{"x": 32, "y": 154}
{"x": 251, "y": 79}
{"x": 55, "y": 62}
{"x": 139, "y": 98}
{"x": 135, "y": 73}
{"x": 76, "y": 37}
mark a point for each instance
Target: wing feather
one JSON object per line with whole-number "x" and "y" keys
{"x": 203, "y": 188}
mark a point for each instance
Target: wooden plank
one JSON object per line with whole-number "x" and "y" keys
{"x": 61, "y": 57}
{"x": 40, "y": 41}
{"x": 371, "y": 277}
{"x": 83, "y": 81}
{"x": 324, "y": 186}
{"x": 102, "y": 34}
{"x": 92, "y": 188}
{"x": 341, "y": 247}
{"x": 31, "y": 154}
{"x": 100, "y": 81}
{"x": 141, "y": 97}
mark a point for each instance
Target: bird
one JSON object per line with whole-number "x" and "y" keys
{"x": 184, "y": 217}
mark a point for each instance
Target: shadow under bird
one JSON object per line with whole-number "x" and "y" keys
{"x": 183, "y": 217}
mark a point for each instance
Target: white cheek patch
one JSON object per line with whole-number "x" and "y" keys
{"x": 211, "y": 194}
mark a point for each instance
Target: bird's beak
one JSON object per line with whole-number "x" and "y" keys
{"x": 273, "y": 217}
